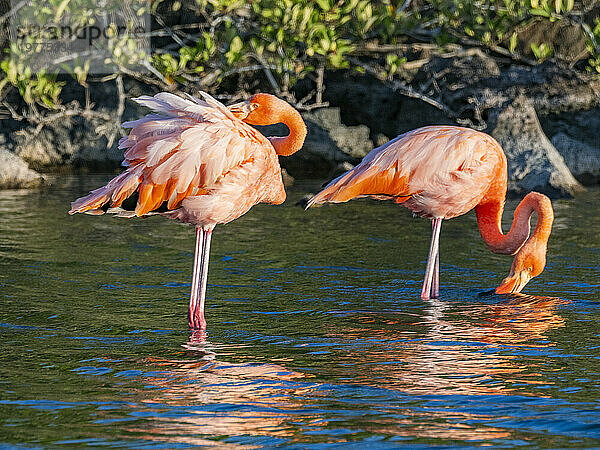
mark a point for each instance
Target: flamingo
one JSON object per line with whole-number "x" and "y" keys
{"x": 441, "y": 172}
{"x": 201, "y": 163}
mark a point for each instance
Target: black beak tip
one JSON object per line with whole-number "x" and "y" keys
{"x": 487, "y": 293}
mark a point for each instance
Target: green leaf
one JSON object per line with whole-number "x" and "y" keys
{"x": 47, "y": 102}
{"x": 324, "y": 5}
{"x": 61, "y": 8}
{"x": 540, "y": 12}
{"x": 236, "y": 45}
{"x": 542, "y": 51}
{"x": 514, "y": 39}
{"x": 570, "y": 4}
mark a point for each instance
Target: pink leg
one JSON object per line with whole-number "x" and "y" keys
{"x": 435, "y": 285}
{"x": 432, "y": 262}
{"x": 196, "y": 319}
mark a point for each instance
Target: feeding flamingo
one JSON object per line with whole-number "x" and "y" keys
{"x": 201, "y": 163}
{"x": 441, "y": 172}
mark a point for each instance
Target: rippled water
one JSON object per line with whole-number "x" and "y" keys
{"x": 316, "y": 336}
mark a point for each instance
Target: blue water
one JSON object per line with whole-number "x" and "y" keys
{"x": 316, "y": 333}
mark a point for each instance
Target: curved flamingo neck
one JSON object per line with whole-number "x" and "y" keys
{"x": 489, "y": 220}
{"x": 287, "y": 145}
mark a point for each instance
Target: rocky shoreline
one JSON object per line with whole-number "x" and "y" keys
{"x": 545, "y": 117}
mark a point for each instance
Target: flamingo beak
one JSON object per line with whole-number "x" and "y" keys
{"x": 241, "y": 110}
{"x": 514, "y": 283}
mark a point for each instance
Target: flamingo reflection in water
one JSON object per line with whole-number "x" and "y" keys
{"x": 440, "y": 351}
{"x": 253, "y": 398}
{"x": 451, "y": 350}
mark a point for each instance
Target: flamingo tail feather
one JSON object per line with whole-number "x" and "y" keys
{"x": 364, "y": 182}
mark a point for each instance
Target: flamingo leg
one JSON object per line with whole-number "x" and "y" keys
{"x": 196, "y": 319}
{"x": 432, "y": 261}
{"x": 435, "y": 285}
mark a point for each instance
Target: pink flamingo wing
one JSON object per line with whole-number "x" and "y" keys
{"x": 431, "y": 161}
{"x": 183, "y": 150}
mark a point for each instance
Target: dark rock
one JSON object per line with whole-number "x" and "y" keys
{"x": 583, "y": 160}
{"x": 470, "y": 83}
{"x": 364, "y": 100}
{"x": 380, "y": 139}
{"x": 552, "y": 88}
{"x": 340, "y": 169}
{"x": 76, "y": 141}
{"x": 575, "y": 136}
{"x": 69, "y": 142}
{"x": 288, "y": 180}
{"x": 583, "y": 125}
{"x": 452, "y": 69}
{"x": 304, "y": 200}
{"x": 329, "y": 142}
{"x": 533, "y": 162}
{"x": 353, "y": 141}
{"x": 15, "y": 174}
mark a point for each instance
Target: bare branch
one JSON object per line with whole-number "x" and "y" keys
{"x": 312, "y": 106}
{"x": 13, "y": 112}
{"x": 268, "y": 73}
{"x": 405, "y": 5}
{"x": 320, "y": 85}
{"x": 397, "y": 85}
{"x": 111, "y": 129}
{"x": 247, "y": 69}
{"x": 169, "y": 30}
{"x": 395, "y": 48}
{"x": 13, "y": 11}
{"x": 161, "y": 82}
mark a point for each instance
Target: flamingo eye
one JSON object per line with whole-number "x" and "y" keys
{"x": 254, "y": 106}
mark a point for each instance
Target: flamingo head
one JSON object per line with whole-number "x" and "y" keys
{"x": 266, "y": 109}
{"x": 260, "y": 109}
{"x": 529, "y": 262}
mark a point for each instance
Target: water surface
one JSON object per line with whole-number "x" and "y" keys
{"x": 316, "y": 332}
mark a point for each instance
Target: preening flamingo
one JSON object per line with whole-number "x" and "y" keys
{"x": 441, "y": 172}
{"x": 201, "y": 163}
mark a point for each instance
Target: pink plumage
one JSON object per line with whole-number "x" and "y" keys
{"x": 201, "y": 163}
{"x": 441, "y": 172}
{"x": 191, "y": 148}
{"x": 435, "y": 171}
